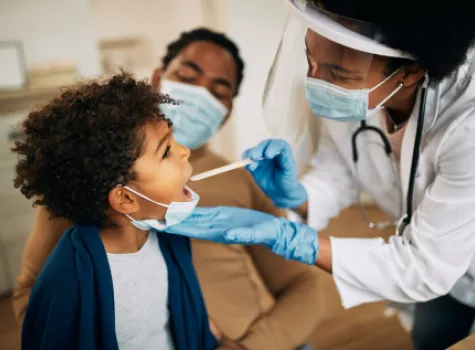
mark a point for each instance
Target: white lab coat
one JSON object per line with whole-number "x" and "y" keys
{"x": 435, "y": 255}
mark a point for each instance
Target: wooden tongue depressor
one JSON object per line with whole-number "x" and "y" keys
{"x": 223, "y": 169}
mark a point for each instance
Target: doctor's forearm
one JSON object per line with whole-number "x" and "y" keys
{"x": 324, "y": 257}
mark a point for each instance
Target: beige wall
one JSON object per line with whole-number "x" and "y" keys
{"x": 52, "y": 30}
{"x": 156, "y": 21}
{"x": 256, "y": 26}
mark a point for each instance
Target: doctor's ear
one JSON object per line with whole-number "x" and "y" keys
{"x": 156, "y": 77}
{"x": 412, "y": 74}
{"x": 123, "y": 201}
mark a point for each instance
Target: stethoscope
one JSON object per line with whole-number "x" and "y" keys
{"x": 405, "y": 219}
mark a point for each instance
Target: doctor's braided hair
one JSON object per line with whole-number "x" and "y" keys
{"x": 439, "y": 34}
{"x": 204, "y": 34}
{"x": 83, "y": 143}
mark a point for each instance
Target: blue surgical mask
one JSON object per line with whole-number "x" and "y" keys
{"x": 198, "y": 116}
{"x": 334, "y": 102}
{"x": 176, "y": 212}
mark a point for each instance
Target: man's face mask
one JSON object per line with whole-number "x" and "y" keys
{"x": 334, "y": 102}
{"x": 176, "y": 212}
{"x": 198, "y": 116}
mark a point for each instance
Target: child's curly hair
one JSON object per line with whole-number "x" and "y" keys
{"x": 81, "y": 144}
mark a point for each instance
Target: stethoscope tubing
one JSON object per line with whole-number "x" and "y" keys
{"x": 406, "y": 218}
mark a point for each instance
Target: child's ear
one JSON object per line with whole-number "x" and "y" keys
{"x": 122, "y": 201}
{"x": 156, "y": 77}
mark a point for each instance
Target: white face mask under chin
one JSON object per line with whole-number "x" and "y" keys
{"x": 176, "y": 212}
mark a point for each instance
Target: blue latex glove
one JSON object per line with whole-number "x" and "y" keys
{"x": 229, "y": 225}
{"x": 276, "y": 174}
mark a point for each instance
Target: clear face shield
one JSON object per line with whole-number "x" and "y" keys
{"x": 325, "y": 68}
{"x": 323, "y": 62}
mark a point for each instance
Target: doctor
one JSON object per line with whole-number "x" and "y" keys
{"x": 394, "y": 85}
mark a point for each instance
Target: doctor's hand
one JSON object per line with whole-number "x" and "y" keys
{"x": 228, "y": 225}
{"x": 275, "y": 171}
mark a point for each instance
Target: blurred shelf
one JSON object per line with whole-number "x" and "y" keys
{"x": 28, "y": 93}
{"x": 14, "y": 101}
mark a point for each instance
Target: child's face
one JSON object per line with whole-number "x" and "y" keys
{"x": 162, "y": 171}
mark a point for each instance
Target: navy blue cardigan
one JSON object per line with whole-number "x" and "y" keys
{"x": 72, "y": 302}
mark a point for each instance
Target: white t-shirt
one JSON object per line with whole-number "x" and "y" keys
{"x": 140, "y": 283}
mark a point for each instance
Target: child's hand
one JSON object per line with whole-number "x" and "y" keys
{"x": 227, "y": 344}
{"x": 224, "y": 343}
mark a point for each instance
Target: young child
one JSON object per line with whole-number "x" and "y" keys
{"x": 103, "y": 156}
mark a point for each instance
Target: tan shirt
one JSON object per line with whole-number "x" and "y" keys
{"x": 251, "y": 294}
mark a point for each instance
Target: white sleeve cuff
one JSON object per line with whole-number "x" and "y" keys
{"x": 346, "y": 269}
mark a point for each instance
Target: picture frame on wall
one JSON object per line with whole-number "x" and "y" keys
{"x": 13, "y": 73}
